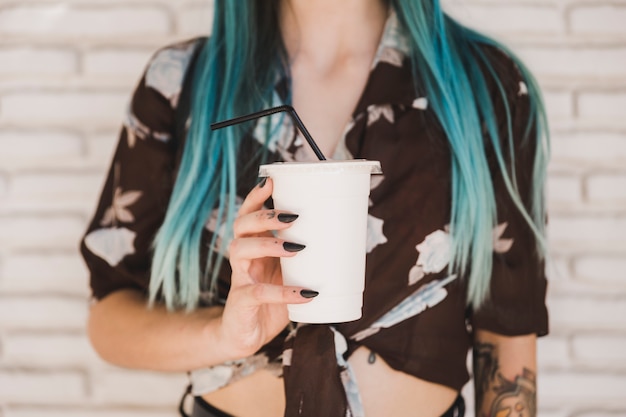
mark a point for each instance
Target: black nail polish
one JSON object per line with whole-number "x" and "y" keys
{"x": 262, "y": 182}
{"x": 293, "y": 247}
{"x": 287, "y": 218}
{"x": 309, "y": 293}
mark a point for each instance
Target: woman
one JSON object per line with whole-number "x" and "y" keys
{"x": 455, "y": 241}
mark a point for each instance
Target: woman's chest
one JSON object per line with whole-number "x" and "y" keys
{"x": 327, "y": 101}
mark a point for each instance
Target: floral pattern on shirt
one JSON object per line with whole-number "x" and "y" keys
{"x": 434, "y": 251}
{"x": 420, "y": 103}
{"x": 166, "y": 71}
{"x": 111, "y": 244}
{"x": 523, "y": 89}
{"x": 375, "y": 233}
{"x": 119, "y": 211}
{"x": 426, "y": 296}
{"x": 434, "y": 255}
{"x": 215, "y": 377}
{"x": 134, "y": 128}
{"x": 375, "y": 112}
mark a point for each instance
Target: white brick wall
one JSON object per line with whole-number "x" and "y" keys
{"x": 66, "y": 71}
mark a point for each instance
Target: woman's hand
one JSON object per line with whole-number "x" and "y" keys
{"x": 255, "y": 310}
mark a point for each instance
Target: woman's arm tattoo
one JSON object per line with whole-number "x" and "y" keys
{"x": 511, "y": 398}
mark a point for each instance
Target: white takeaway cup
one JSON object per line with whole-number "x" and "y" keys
{"x": 331, "y": 199}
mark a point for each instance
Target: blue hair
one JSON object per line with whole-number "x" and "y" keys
{"x": 449, "y": 58}
{"x": 235, "y": 75}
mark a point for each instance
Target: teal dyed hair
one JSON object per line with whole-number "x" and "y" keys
{"x": 235, "y": 76}
{"x": 448, "y": 58}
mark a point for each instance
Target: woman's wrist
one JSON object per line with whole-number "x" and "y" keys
{"x": 218, "y": 349}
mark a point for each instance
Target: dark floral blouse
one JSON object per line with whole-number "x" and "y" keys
{"x": 415, "y": 315}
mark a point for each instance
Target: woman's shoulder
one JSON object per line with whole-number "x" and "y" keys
{"x": 167, "y": 67}
{"x": 151, "y": 113}
{"x": 503, "y": 70}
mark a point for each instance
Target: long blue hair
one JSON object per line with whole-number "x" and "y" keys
{"x": 236, "y": 74}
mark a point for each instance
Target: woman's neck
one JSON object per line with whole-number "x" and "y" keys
{"x": 326, "y": 33}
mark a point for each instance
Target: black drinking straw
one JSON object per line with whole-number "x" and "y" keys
{"x": 267, "y": 112}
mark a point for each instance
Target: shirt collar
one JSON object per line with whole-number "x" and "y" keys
{"x": 391, "y": 80}
{"x": 393, "y": 38}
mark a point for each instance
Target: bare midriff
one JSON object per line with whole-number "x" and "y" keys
{"x": 384, "y": 392}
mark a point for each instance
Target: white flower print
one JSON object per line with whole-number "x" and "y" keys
{"x": 426, "y": 296}
{"x": 287, "y": 355}
{"x": 523, "y": 89}
{"x": 348, "y": 379}
{"x": 348, "y": 127}
{"x": 415, "y": 274}
{"x": 302, "y": 155}
{"x": 299, "y": 140}
{"x": 391, "y": 56}
{"x": 118, "y": 210}
{"x": 501, "y": 245}
{"x": 131, "y": 138}
{"x": 341, "y": 151}
{"x": 134, "y": 128}
{"x": 433, "y": 255}
{"x": 167, "y": 70}
{"x": 375, "y": 181}
{"x": 434, "y": 252}
{"x": 211, "y": 379}
{"x": 420, "y": 103}
{"x": 374, "y": 112}
{"x": 111, "y": 244}
{"x": 162, "y": 136}
{"x": 375, "y": 235}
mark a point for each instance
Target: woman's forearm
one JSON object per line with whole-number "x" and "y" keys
{"x": 505, "y": 378}
{"x": 125, "y": 332}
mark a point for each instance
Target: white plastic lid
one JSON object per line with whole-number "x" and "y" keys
{"x": 373, "y": 167}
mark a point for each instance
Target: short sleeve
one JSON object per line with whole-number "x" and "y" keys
{"x": 516, "y": 303}
{"x": 117, "y": 244}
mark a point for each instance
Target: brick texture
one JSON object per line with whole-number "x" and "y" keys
{"x": 26, "y": 60}
{"x": 67, "y": 68}
{"x": 598, "y": 19}
{"x": 45, "y": 147}
{"x": 91, "y": 411}
{"x": 47, "y": 272}
{"x": 63, "y": 19}
{"x": 40, "y": 387}
{"x": 63, "y": 108}
{"x": 49, "y": 350}
{"x": 42, "y": 313}
{"x": 602, "y": 105}
{"x": 115, "y": 62}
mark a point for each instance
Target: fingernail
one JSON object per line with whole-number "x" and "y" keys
{"x": 287, "y": 218}
{"x": 309, "y": 293}
{"x": 293, "y": 247}
{"x": 262, "y": 182}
